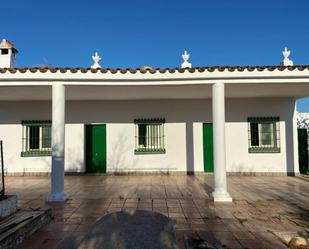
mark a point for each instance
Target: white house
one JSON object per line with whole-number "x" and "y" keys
{"x": 237, "y": 120}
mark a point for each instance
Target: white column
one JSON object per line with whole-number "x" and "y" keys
{"x": 57, "y": 193}
{"x": 294, "y": 154}
{"x": 220, "y": 193}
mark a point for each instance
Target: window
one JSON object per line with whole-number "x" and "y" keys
{"x": 4, "y": 51}
{"x": 264, "y": 134}
{"x": 149, "y": 136}
{"x": 36, "y": 138}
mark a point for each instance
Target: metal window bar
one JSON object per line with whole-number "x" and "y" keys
{"x": 36, "y": 138}
{"x": 149, "y": 137}
{"x": 2, "y": 185}
{"x": 27, "y": 138}
{"x": 278, "y": 134}
{"x": 264, "y": 134}
{"x": 136, "y": 138}
{"x": 152, "y": 136}
{"x": 23, "y": 139}
{"x": 163, "y": 145}
{"x": 159, "y": 136}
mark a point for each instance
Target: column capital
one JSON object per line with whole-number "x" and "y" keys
{"x": 58, "y": 83}
{"x": 218, "y": 83}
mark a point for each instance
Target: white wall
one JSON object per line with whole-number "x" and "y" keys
{"x": 183, "y": 134}
{"x": 238, "y": 159}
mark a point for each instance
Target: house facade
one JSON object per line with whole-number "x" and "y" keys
{"x": 235, "y": 120}
{"x": 173, "y": 135}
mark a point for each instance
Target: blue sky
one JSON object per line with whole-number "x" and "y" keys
{"x": 135, "y": 33}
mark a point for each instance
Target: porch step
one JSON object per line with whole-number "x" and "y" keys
{"x": 17, "y": 227}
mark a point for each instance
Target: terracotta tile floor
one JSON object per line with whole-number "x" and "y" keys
{"x": 260, "y": 205}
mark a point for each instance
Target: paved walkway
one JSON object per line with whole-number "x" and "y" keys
{"x": 261, "y": 205}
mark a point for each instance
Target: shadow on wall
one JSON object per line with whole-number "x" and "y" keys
{"x": 76, "y": 164}
{"x": 241, "y": 168}
{"x": 118, "y": 160}
{"x": 118, "y": 154}
{"x": 189, "y": 148}
{"x": 289, "y": 146}
{"x": 74, "y": 157}
{"x": 42, "y": 162}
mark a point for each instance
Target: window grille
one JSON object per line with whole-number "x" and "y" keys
{"x": 149, "y": 136}
{"x": 36, "y": 138}
{"x": 2, "y": 185}
{"x": 264, "y": 134}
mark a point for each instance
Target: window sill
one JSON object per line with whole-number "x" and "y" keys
{"x": 35, "y": 153}
{"x": 264, "y": 150}
{"x": 149, "y": 151}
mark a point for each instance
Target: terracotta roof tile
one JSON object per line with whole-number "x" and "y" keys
{"x": 103, "y": 70}
{"x": 201, "y": 69}
{"x": 12, "y": 70}
{"x": 154, "y": 70}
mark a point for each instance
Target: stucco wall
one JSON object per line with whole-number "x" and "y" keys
{"x": 183, "y": 134}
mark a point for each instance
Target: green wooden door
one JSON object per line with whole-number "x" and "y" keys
{"x": 208, "y": 147}
{"x": 96, "y": 148}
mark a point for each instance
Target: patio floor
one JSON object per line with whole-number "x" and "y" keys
{"x": 260, "y": 205}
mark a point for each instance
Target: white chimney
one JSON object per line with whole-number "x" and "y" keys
{"x": 7, "y": 54}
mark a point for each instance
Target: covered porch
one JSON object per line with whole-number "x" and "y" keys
{"x": 217, "y": 92}
{"x": 218, "y": 87}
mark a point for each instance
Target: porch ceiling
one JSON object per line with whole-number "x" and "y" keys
{"x": 134, "y": 92}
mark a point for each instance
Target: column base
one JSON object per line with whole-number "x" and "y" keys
{"x": 221, "y": 197}
{"x": 57, "y": 197}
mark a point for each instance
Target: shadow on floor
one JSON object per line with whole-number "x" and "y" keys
{"x": 121, "y": 230}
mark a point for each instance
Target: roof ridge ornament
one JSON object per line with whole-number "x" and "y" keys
{"x": 185, "y": 56}
{"x": 96, "y": 58}
{"x": 286, "y": 61}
